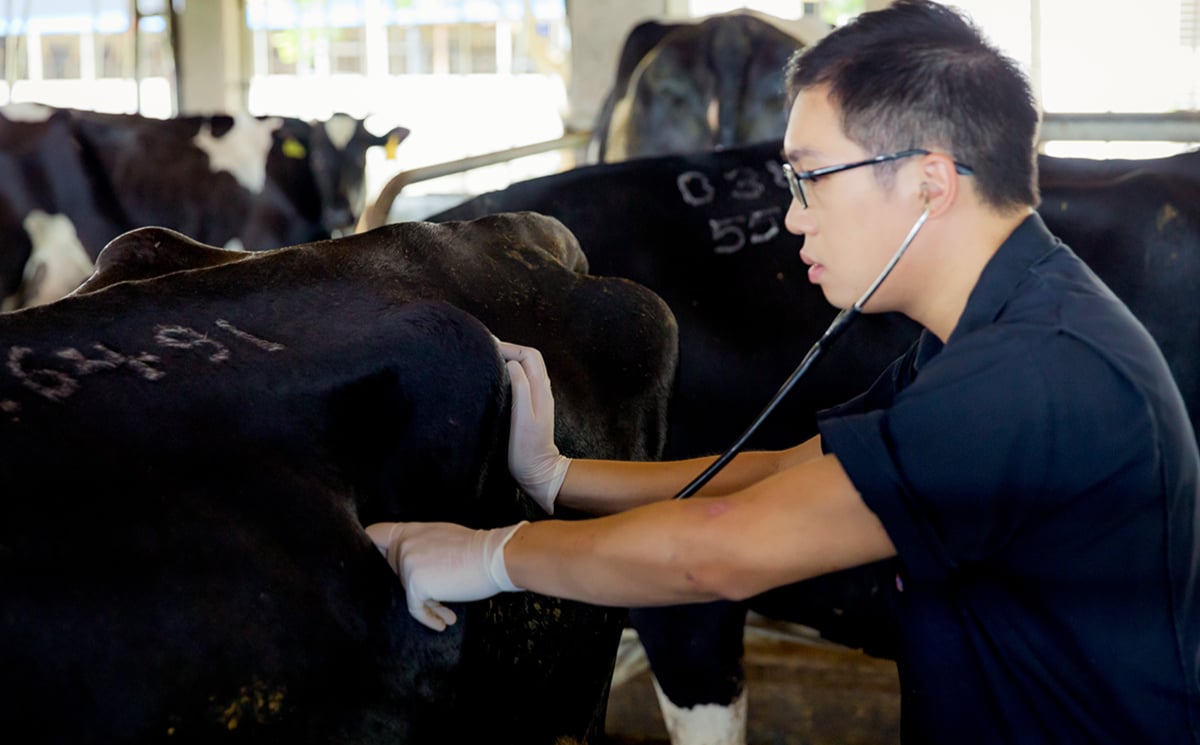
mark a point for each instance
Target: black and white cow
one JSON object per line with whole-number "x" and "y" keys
{"x": 706, "y": 233}
{"x": 258, "y": 182}
{"x": 691, "y": 87}
{"x": 243, "y": 182}
{"x": 48, "y": 210}
{"x": 190, "y": 450}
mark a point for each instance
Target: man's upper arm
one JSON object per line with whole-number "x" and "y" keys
{"x": 802, "y": 522}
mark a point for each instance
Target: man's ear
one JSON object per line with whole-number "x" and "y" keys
{"x": 938, "y": 188}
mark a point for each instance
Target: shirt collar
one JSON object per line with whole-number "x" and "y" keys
{"x": 1026, "y": 246}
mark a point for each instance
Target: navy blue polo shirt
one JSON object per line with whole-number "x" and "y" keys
{"x": 1038, "y": 476}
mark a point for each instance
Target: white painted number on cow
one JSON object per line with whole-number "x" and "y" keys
{"x": 776, "y": 170}
{"x": 263, "y": 344}
{"x": 182, "y": 337}
{"x": 695, "y": 188}
{"x": 764, "y": 224}
{"x": 59, "y": 383}
{"x": 731, "y": 233}
{"x": 142, "y": 364}
{"x": 746, "y": 184}
{"x": 52, "y": 384}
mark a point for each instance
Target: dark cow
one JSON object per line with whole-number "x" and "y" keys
{"x": 706, "y": 233}
{"x": 638, "y": 42}
{"x": 189, "y": 456}
{"x": 48, "y": 211}
{"x": 1137, "y": 224}
{"x": 235, "y": 181}
{"x": 695, "y": 87}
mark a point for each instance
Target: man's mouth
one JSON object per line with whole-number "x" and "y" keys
{"x": 815, "y": 268}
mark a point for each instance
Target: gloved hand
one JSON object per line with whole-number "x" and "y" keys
{"x": 444, "y": 561}
{"x": 533, "y": 458}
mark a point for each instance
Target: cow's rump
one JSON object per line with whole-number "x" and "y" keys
{"x": 189, "y": 457}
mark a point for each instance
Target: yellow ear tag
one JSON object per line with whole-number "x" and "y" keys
{"x": 293, "y": 148}
{"x": 389, "y": 148}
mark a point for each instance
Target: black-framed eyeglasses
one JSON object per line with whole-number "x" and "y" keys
{"x": 796, "y": 178}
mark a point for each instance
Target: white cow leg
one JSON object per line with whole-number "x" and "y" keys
{"x": 706, "y": 724}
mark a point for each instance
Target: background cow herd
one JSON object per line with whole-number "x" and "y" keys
{"x": 74, "y": 180}
{"x": 192, "y": 439}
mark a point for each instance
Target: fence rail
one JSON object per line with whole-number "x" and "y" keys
{"x": 376, "y": 215}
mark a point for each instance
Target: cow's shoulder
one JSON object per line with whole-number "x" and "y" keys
{"x": 145, "y": 253}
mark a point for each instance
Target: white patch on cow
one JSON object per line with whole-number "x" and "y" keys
{"x": 26, "y": 112}
{"x": 340, "y": 129}
{"x": 58, "y": 263}
{"x": 242, "y": 151}
{"x": 706, "y": 724}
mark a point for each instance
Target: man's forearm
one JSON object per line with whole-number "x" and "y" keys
{"x": 806, "y": 521}
{"x": 595, "y": 560}
{"x": 601, "y": 487}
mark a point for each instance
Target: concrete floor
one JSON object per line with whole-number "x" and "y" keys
{"x": 802, "y": 691}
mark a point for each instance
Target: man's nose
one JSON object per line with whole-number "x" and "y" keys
{"x": 798, "y": 219}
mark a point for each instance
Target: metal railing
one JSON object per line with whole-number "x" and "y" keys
{"x": 377, "y": 214}
{"x": 1173, "y": 126}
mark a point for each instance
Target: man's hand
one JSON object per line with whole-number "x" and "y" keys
{"x": 444, "y": 562}
{"x": 533, "y": 458}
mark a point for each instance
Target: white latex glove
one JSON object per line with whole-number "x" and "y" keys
{"x": 533, "y": 458}
{"x": 444, "y": 562}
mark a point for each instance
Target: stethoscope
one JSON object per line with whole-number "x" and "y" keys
{"x": 839, "y": 324}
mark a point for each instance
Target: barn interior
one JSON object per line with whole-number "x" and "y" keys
{"x": 494, "y": 93}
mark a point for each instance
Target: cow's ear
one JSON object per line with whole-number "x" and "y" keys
{"x": 151, "y": 252}
{"x": 389, "y": 141}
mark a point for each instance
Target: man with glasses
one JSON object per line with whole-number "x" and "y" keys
{"x": 1029, "y": 461}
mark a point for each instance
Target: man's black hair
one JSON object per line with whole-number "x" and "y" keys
{"x": 918, "y": 74}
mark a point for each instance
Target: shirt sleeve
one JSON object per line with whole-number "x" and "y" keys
{"x": 945, "y": 464}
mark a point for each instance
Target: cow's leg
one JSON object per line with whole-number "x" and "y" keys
{"x": 695, "y": 653}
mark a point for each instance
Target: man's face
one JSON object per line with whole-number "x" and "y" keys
{"x": 852, "y": 226}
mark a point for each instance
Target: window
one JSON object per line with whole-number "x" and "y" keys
{"x": 112, "y": 55}
{"x": 282, "y": 51}
{"x": 155, "y": 54}
{"x": 347, "y": 50}
{"x": 60, "y": 57}
{"x": 16, "y": 54}
{"x": 1189, "y": 23}
{"x": 472, "y": 48}
{"x": 410, "y": 50}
